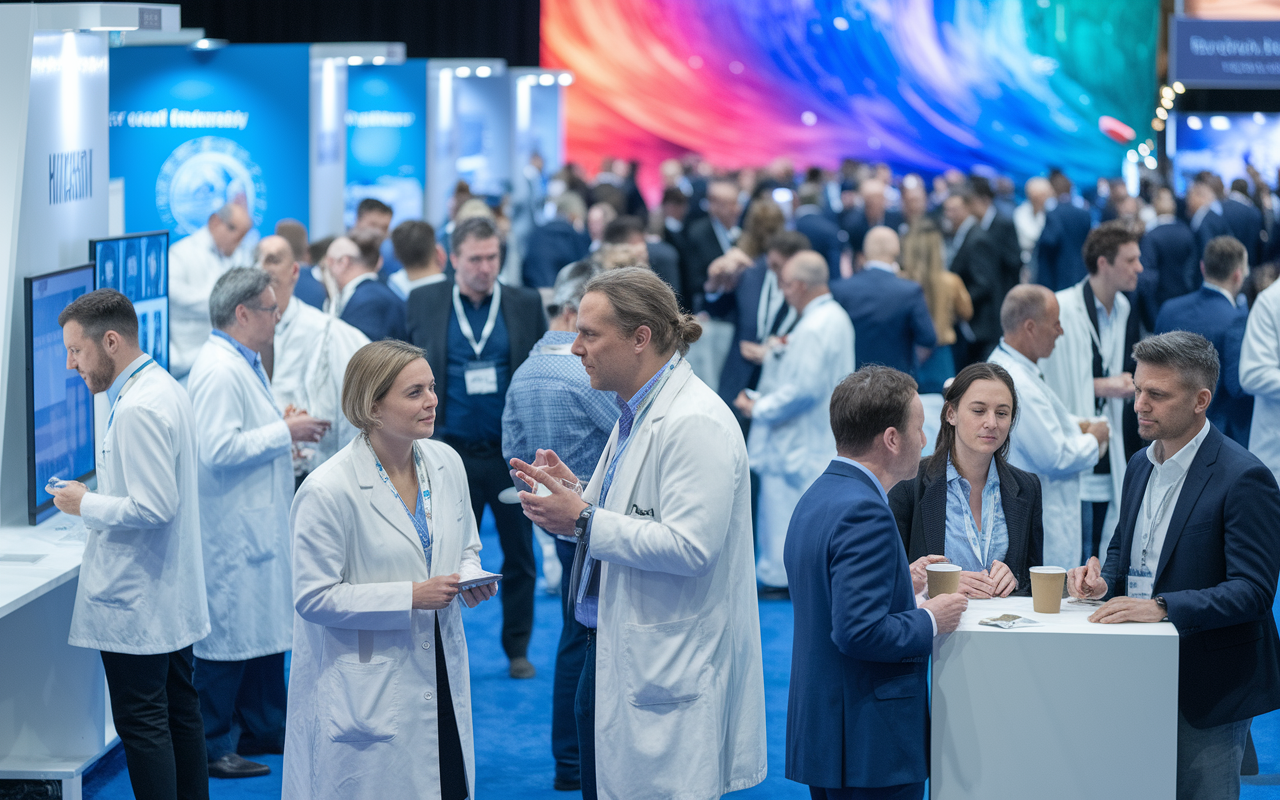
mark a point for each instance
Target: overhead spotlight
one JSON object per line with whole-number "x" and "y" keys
{"x": 1165, "y": 91}
{"x": 1194, "y": 123}
{"x": 1161, "y": 113}
{"x": 546, "y": 79}
{"x": 379, "y": 60}
{"x": 1143, "y": 150}
{"x": 483, "y": 72}
{"x": 1178, "y": 87}
{"x": 565, "y": 78}
{"x": 1166, "y": 102}
{"x": 355, "y": 61}
{"x": 463, "y": 72}
{"x": 1150, "y": 162}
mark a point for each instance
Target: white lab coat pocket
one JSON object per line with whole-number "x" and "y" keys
{"x": 118, "y": 575}
{"x": 664, "y": 662}
{"x": 363, "y": 700}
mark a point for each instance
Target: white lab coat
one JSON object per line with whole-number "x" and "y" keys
{"x": 362, "y": 687}
{"x": 1046, "y": 440}
{"x": 790, "y": 443}
{"x": 1069, "y": 373}
{"x": 1260, "y": 376}
{"x": 246, "y": 487}
{"x": 195, "y": 264}
{"x": 311, "y": 354}
{"x": 679, "y": 679}
{"x": 141, "y": 587}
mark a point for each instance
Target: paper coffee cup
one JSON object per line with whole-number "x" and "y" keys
{"x": 1047, "y": 584}
{"x": 943, "y": 579}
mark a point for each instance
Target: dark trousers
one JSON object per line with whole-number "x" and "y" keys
{"x": 157, "y": 715}
{"x": 584, "y": 708}
{"x": 570, "y": 653}
{"x": 243, "y": 705}
{"x": 453, "y": 767}
{"x": 487, "y": 476}
{"x": 1092, "y": 518}
{"x": 905, "y": 791}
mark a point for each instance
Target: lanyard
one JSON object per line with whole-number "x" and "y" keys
{"x": 1150, "y": 517}
{"x": 465, "y": 324}
{"x": 767, "y": 313}
{"x": 424, "y": 485}
{"x": 127, "y": 385}
{"x": 980, "y": 540}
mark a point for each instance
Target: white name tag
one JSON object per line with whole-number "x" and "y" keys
{"x": 1141, "y": 583}
{"x": 482, "y": 378}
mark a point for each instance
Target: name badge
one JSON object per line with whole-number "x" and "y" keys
{"x": 1141, "y": 583}
{"x": 482, "y": 377}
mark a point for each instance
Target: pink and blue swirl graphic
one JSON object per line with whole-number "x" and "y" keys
{"x": 1014, "y": 85}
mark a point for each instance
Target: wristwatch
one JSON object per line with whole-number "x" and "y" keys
{"x": 1163, "y": 606}
{"x": 583, "y": 520}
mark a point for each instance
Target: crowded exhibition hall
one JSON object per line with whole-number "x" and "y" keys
{"x": 640, "y": 400}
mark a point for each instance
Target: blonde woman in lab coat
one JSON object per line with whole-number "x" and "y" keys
{"x": 379, "y": 692}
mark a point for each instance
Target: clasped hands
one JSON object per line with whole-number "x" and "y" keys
{"x": 995, "y": 582}
{"x": 557, "y": 512}
{"x": 1086, "y": 582}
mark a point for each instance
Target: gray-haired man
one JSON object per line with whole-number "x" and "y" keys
{"x": 246, "y": 488}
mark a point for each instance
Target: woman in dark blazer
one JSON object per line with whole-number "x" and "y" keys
{"x": 967, "y": 505}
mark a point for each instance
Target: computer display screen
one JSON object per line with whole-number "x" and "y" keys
{"x": 60, "y": 408}
{"x": 137, "y": 266}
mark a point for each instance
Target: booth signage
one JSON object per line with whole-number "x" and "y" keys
{"x": 1225, "y": 54}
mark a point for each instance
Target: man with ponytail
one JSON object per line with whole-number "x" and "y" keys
{"x": 663, "y": 577}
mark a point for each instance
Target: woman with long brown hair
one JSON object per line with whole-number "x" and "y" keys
{"x": 944, "y": 293}
{"x": 967, "y": 503}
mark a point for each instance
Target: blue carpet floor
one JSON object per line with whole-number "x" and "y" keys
{"x": 512, "y": 718}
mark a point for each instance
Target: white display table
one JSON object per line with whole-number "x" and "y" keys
{"x": 55, "y": 716}
{"x": 1067, "y": 709}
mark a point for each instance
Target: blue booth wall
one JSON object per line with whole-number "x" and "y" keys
{"x": 387, "y": 138}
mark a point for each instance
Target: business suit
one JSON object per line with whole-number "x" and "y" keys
{"x": 855, "y": 224}
{"x": 376, "y": 311}
{"x": 551, "y": 247}
{"x": 1059, "y": 253}
{"x": 1211, "y": 226}
{"x": 890, "y": 318}
{"x": 920, "y": 507}
{"x": 430, "y": 309}
{"x": 1245, "y": 222}
{"x": 742, "y": 307}
{"x": 857, "y": 713}
{"x": 824, "y": 235}
{"x": 664, "y": 260}
{"x": 308, "y": 289}
{"x": 1217, "y": 575}
{"x": 1208, "y": 312}
{"x": 702, "y": 246}
{"x": 977, "y": 262}
{"x": 1170, "y": 264}
{"x": 1004, "y": 236}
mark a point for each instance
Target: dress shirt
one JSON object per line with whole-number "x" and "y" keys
{"x": 401, "y": 285}
{"x": 1162, "y": 219}
{"x": 1198, "y": 217}
{"x": 1159, "y": 499}
{"x": 892, "y": 269}
{"x": 885, "y": 496}
{"x": 771, "y": 305}
{"x": 252, "y": 356}
{"x": 475, "y": 418}
{"x": 963, "y": 231}
{"x": 113, "y": 391}
{"x": 727, "y": 237}
{"x": 1215, "y": 287}
{"x": 1030, "y": 224}
{"x": 962, "y": 529}
{"x": 344, "y": 296}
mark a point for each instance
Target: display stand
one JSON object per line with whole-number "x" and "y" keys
{"x": 469, "y": 130}
{"x": 1066, "y": 709}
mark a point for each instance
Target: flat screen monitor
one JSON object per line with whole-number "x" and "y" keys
{"x": 137, "y": 266}
{"x": 1222, "y": 143}
{"x": 60, "y": 418}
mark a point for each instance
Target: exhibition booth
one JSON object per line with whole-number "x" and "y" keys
{"x": 124, "y": 132}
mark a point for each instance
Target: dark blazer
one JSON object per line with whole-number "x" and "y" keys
{"x": 376, "y": 311}
{"x": 1059, "y": 251}
{"x": 1233, "y": 343}
{"x": 551, "y": 247}
{"x": 1171, "y": 267}
{"x": 1245, "y": 222}
{"x": 920, "y": 506}
{"x": 824, "y": 235}
{"x": 1212, "y": 226}
{"x": 1208, "y": 313}
{"x": 855, "y": 224}
{"x": 741, "y": 307}
{"x": 890, "y": 318}
{"x": 429, "y": 309}
{"x": 977, "y": 262}
{"x": 701, "y": 248}
{"x": 308, "y": 289}
{"x": 1217, "y": 573}
{"x": 664, "y": 260}
{"x": 1004, "y": 237}
{"x": 858, "y": 712}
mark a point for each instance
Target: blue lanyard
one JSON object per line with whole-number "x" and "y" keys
{"x": 128, "y": 383}
{"x": 424, "y": 504}
{"x": 635, "y": 423}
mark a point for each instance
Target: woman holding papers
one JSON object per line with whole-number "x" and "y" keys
{"x": 967, "y": 505}
{"x": 383, "y": 544}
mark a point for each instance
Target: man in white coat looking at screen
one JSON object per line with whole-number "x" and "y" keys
{"x": 140, "y": 599}
{"x": 790, "y": 442}
{"x": 246, "y": 488}
{"x": 671, "y": 700}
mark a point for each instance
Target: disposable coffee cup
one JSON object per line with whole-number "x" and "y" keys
{"x": 943, "y": 579}
{"x": 1047, "y": 584}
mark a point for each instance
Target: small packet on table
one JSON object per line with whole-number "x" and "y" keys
{"x": 1008, "y": 621}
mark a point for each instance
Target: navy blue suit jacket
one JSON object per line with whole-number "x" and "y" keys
{"x": 1208, "y": 313}
{"x": 890, "y": 318}
{"x": 741, "y": 307}
{"x": 1059, "y": 252}
{"x": 1245, "y": 222}
{"x": 1170, "y": 267}
{"x": 308, "y": 289}
{"x": 1212, "y": 226}
{"x": 854, "y": 223}
{"x": 551, "y": 247}
{"x": 1217, "y": 573}
{"x": 858, "y": 711}
{"x": 376, "y": 311}
{"x": 824, "y": 236}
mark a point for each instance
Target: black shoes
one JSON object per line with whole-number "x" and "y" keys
{"x": 773, "y": 593}
{"x": 567, "y": 785}
{"x": 233, "y": 765}
{"x": 521, "y": 668}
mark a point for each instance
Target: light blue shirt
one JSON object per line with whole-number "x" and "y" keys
{"x": 252, "y": 356}
{"x": 963, "y": 535}
{"x": 113, "y": 391}
{"x": 883, "y": 494}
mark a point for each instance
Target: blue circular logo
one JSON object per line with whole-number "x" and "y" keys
{"x": 201, "y": 176}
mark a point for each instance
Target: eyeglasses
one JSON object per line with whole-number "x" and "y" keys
{"x": 273, "y": 310}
